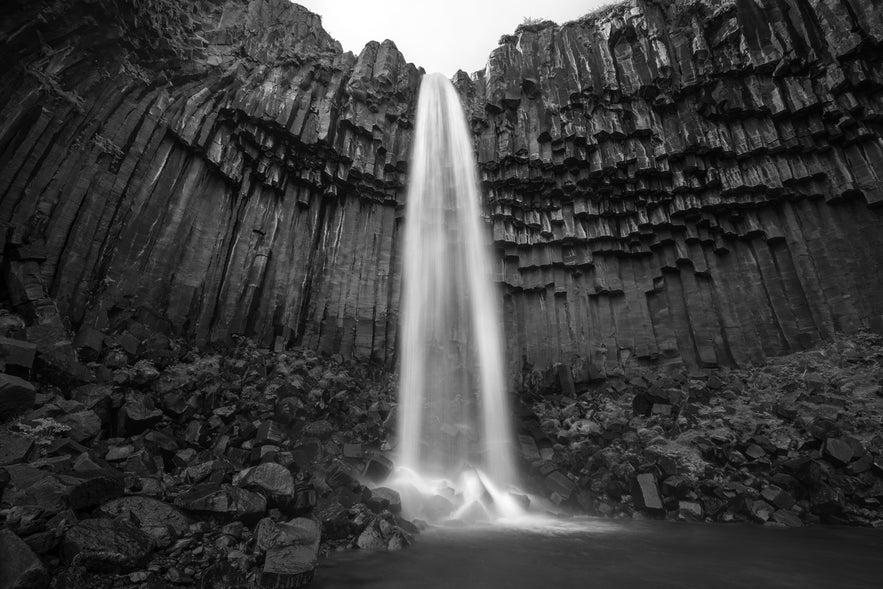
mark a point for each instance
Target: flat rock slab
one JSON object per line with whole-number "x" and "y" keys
{"x": 16, "y": 352}
{"x": 838, "y": 451}
{"x": 14, "y": 449}
{"x": 286, "y": 567}
{"x": 300, "y": 531}
{"x": 19, "y": 566}
{"x": 292, "y": 551}
{"x": 224, "y": 500}
{"x": 645, "y": 492}
{"x": 16, "y": 396}
{"x": 107, "y": 545}
{"x": 149, "y": 512}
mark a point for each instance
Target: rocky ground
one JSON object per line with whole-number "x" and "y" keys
{"x": 232, "y": 468}
{"x": 794, "y": 442}
{"x": 141, "y": 463}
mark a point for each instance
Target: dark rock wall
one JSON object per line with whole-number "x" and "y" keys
{"x": 207, "y": 168}
{"x": 685, "y": 181}
{"x": 693, "y": 182}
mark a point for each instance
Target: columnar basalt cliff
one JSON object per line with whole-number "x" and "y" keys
{"x": 670, "y": 181}
{"x": 685, "y": 180}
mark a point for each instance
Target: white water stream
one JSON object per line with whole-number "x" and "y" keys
{"x": 454, "y": 420}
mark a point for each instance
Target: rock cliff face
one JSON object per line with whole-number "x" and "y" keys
{"x": 666, "y": 180}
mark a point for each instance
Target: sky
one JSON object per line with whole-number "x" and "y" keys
{"x": 439, "y": 35}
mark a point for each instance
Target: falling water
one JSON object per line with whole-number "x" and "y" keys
{"x": 453, "y": 413}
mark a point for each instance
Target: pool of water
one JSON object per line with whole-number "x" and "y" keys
{"x": 608, "y": 555}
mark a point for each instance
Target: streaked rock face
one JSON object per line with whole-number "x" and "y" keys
{"x": 688, "y": 181}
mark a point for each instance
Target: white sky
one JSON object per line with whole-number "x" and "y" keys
{"x": 440, "y": 35}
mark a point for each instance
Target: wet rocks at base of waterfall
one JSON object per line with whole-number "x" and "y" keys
{"x": 794, "y": 442}
{"x": 194, "y": 469}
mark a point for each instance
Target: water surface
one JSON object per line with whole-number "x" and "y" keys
{"x": 609, "y": 555}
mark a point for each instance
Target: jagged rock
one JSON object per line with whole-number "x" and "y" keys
{"x": 292, "y": 551}
{"x": 760, "y": 510}
{"x": 91, "y": 488}
{"x": 110, "y": 545}
{"x": 342, "y": 475}
{"x": 352, "y": 451}
{"x": 385, "y": 498}
{"x": 826, "y": 500}
{"x": 838, "y": 451}
{"x": 558, "y": 484}
{"x": 372, "y": 538}
{"x": 139, "y": 413}
{"x": 270, "y": 433}
{"x": 154, "y": 517}
{"x": 778, "y": 497}
{"x": 5, "y": 478}
{"x": 96, "y": 397}
{"x": 320, "y": 429}
{"x": 270, "y": 477}
{"x": 16, "y": 396}
{"x": 14, "y": 448}
{"x": 84, "y": 425}
{"x": 378, "y": 468}
{"x": 787, "y": 518}
{"x": 225, "y": 500}
{"x": 19, "y": 353}
{"x": 335, "y": 521}
{"x": 691, "y": 510}
{"x": 20, "y": 568}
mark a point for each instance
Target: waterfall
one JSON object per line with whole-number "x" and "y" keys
{"x": 453, "y": 412}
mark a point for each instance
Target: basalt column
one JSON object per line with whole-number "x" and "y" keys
{"x": 692, "y": 183}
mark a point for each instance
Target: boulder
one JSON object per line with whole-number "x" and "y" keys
{"x": 777, "y": 496}
{"x": 154, "y": 517}
{"x": 226, "y": 500}
{"x": 372, "y": 538}
{"x": 138, "y": 413}
{"x": 319, "y": 429}
{"x": 760, "y": 510}
{"x": 378, "y": 468}
{"x": 19, "y": 566}
{"x": 558, "y": 482}
{"x": 335, "y": 521}
{"x": 353, "y": 451}
{"x": 645, "y": 492}
{"x": 298, "y": 531}
{"x": 14, "y": 448}
{"x": 690, "y": 510}
{"x": 106, "y": 545}
{"x": 838, "y": 451}
{"x": 292, "y": 552}
{"x": 15, "y": 352}
{"x": 84, "y": 425}
{"x": 96, "y": 397}
{"x": 787, "y": 518}
{"x": 270, "y": 433}
{"x": 270, "y": 477}
{"x": 4, "y": 481}
{"x": 384, "y": 498}
{"x": 16, "y": 396}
